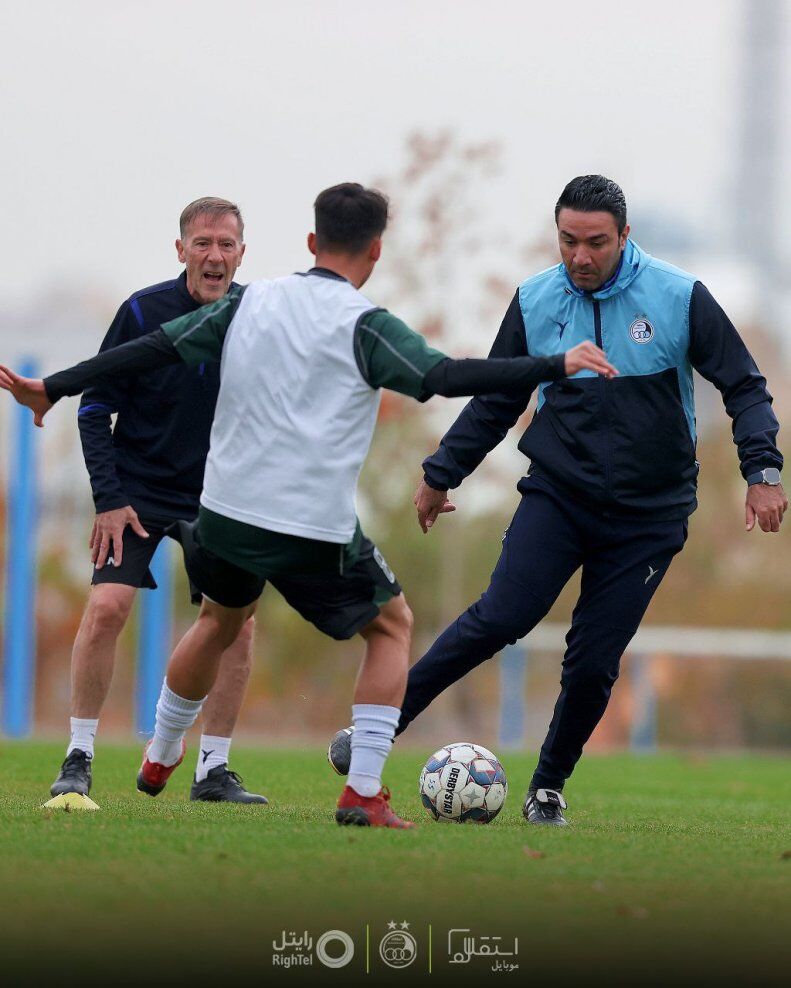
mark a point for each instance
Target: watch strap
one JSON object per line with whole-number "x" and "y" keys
{"x": 760, "y": 478}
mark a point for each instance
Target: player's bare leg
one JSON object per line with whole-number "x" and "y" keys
{"x": 92, "y": 661}
{"x": 195, "y": 662}
{"x": 221, "y": 710}
{"x": 93, "y": 655}
{"x": 383, "y": 672}
{"x": 380, "y": 688}
{"x": 388, "y": 640}
{"x": 190, "y": 675}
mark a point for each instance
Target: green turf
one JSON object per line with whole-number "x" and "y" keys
{"x": 673, "y": 864}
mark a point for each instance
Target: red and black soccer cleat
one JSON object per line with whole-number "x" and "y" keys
{"x": 368, "y": 811}
{"x": 152, "y": 777}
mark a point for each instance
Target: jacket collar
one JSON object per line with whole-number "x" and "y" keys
{"x": 183, "y": 291}
{"x": 633, "y": 260}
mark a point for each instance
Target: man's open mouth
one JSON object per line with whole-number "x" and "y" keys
{"x": 213, "y": 276}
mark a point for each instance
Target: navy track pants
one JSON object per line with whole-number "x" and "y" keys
{"x": 623, "y": 562}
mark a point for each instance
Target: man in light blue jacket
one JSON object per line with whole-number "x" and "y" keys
{"x": 612, "y": 474}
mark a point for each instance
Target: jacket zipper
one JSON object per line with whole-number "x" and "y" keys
{"x": 605, "y": 392}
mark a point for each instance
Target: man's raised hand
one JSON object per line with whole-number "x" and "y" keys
{"x": 28, "y": 391}
{"x": 587, "y": 356}
{"x": 430, "y": 505}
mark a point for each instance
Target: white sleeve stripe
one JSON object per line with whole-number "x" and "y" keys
{"x": 392, "y": 349}
{"x": 360, "y": 354}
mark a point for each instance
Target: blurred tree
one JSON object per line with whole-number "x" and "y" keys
{"x": 450, "y": 275}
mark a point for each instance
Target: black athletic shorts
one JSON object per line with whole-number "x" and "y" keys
{"x": 134, "y": 570}
{"x": 339, "y": 589}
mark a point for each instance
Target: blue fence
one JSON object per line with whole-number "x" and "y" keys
{"x": 153, "y": 648}
{"x": 19, "y": 637}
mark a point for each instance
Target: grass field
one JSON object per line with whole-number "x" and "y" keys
{"x": 676, "y": 870}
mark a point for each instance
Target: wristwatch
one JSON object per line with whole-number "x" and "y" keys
{"x": 770, "y": 476}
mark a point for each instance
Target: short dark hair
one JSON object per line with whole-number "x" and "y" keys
{"x": 592, "y": 194}
{"x": 210, "y": 206}
{"x": 349, "y": 217}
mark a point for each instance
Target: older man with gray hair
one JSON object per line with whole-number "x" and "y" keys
{"x": 146, "y": 473}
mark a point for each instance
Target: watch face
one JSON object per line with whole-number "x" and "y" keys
{"x": 772, "y": 476}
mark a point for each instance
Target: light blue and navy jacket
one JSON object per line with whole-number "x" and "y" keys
{"x": 627, "y": 445}
{"x": 155, "y": 456}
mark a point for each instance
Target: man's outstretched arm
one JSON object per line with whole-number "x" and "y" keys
{"x": 150, "y": 352}
{"x": 391, "y": 355}
{"x": 193, "y": 338}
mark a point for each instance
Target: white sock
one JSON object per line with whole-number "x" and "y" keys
{"x": 214, "y": 751}
{"x": 372, "y": 739}
{"x": 175, "y": 716}
{"x": 83, "y": 731}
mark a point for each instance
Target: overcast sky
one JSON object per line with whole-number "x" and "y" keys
{"x": 115, "y": 116}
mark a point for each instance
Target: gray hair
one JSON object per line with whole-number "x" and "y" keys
{"x": 209, "y": 206}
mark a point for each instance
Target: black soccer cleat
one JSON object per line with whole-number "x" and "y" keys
{"x": 74, "y": 775}
{"x": 339, "y": 753}
{"x": 223, "y": 786}
{"x": 544, "y": 807}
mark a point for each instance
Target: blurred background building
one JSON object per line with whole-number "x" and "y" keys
{"x": 115, "y": 118}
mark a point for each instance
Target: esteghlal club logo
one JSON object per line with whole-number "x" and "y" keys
{"x": 641, "y": 330}
{"x": 398, "y": 947}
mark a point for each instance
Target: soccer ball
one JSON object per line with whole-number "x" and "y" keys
{"x": 463, "y": 783}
